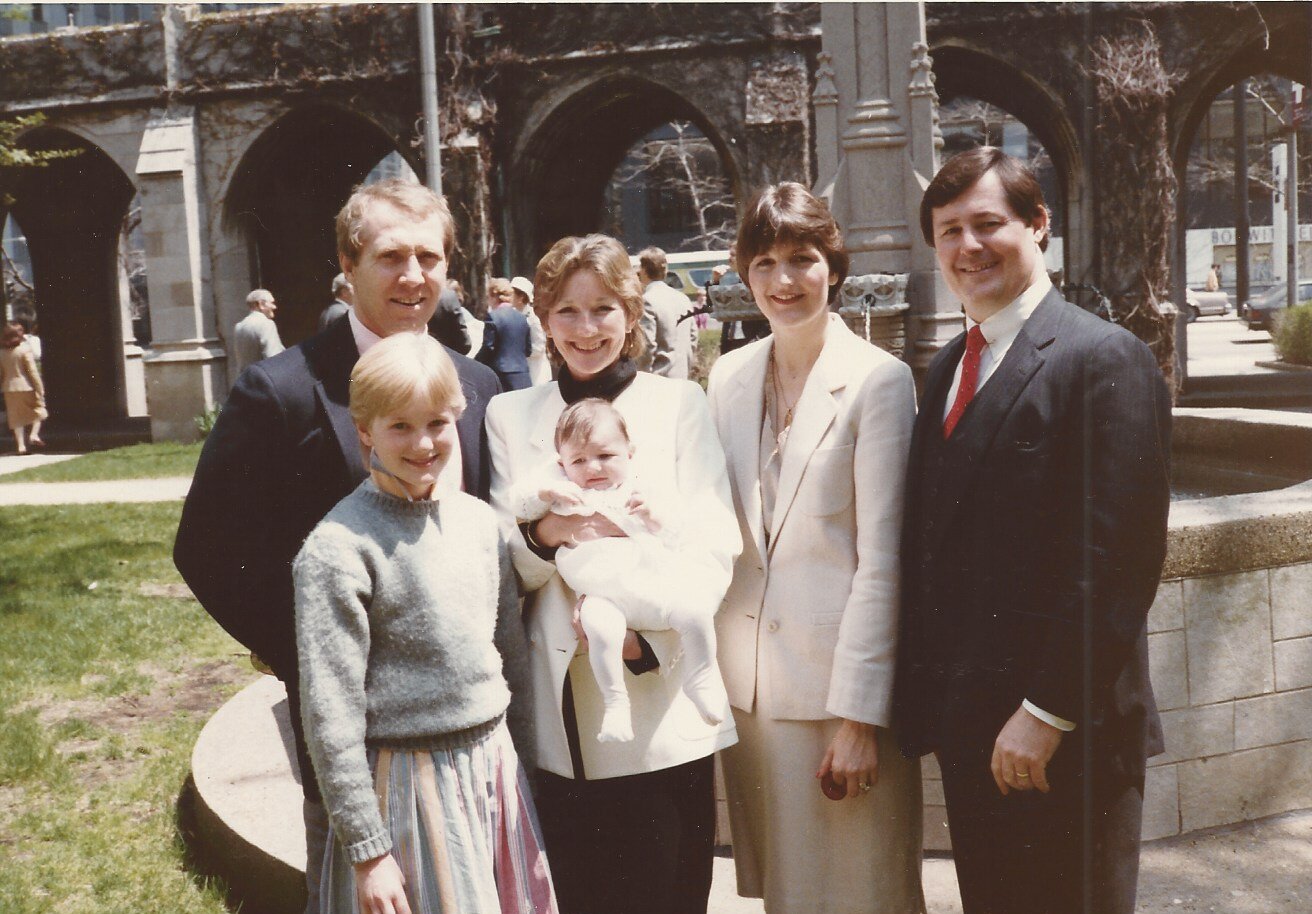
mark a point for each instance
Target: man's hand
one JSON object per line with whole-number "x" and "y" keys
{"x": 1022, "y": 751}
{"x": 380, "y": 886}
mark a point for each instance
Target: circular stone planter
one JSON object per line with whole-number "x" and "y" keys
{"x": 1230, "y": 643}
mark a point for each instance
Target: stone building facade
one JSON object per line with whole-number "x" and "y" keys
{"x": 241, "y": 133}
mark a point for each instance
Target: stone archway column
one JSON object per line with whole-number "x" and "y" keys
{"x": 877, "y": 142}
{"x": 185, "y": 363}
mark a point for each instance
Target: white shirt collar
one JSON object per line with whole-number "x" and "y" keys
{"x": 1000, "y": 329}
{"x": 364, "y": 337}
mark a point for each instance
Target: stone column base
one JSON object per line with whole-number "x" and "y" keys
{"x": 183, "y": 380}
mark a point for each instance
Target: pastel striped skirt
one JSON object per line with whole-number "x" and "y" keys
{"x": 464, "y": 832}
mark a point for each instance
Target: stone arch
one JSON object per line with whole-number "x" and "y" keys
{"x": 1275, "y": 40}
{"x": 960, "y": 69}
{"x": 571, "y": 145}
{"x": 1250, "y": 49}
{"x": 283, "y": 198}
{"x": 72, "y": 213}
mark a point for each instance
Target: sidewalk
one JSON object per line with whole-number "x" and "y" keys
{"x": 62, "y": 493}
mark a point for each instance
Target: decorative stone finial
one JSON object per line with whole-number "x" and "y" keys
{"x": 826, "y": 92}
{"x": 922, "y": 71}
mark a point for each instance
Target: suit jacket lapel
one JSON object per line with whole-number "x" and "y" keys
{"x": 980, "y": 422}
{"x": 815, "y": 412}
{"x": 747, "y": 402}
{"x": 334, "y": 354}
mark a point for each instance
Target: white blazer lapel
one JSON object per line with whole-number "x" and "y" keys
{"x": 814, "y": 413}
{"x": 746, "y": 406}
{"x": 548, "y": 407}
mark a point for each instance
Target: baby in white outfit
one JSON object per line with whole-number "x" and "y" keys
{"x": 592, "y": 477}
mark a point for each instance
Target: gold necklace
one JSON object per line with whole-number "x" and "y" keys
{"x": 779, "y": 390}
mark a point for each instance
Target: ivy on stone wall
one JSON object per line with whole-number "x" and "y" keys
{"x": 85, "y": 63}
{"x": 1137, "y": 182}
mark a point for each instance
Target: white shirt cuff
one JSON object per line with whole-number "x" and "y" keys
{"x": 1050, "y": 719}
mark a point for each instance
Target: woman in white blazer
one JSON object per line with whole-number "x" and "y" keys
{"x": 628, "y": 826}
{"x": 816, "y": 424}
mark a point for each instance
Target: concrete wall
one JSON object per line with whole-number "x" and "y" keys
{"x": 1231, "y": 662}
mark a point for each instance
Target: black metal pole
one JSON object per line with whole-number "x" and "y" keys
{"x": 1241, "y": 192}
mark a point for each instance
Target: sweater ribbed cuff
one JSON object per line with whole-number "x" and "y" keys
{"x": 369, "y": 848}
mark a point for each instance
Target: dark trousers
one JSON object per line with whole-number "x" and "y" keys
{"x": 514, "y": 380}
{"x": 1074, "y": 850}
{"x": 632, "y": 845}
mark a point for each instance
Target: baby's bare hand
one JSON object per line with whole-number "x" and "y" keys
{"x": 638, "y": 507}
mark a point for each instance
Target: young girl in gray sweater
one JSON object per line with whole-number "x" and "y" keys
{"x": 413, "y": 663}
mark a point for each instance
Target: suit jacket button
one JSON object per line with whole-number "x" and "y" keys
{"x": 772, "y": 627}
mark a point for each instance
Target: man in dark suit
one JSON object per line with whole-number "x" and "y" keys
{"x": 506, "y": 346}
{"x": 1034, "y": 538}
{"x": 448, "y": 321}
{"x": 285, "y": 450}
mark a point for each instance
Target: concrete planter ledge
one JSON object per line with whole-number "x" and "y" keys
{"x": 1229, "y": 637}
{"x": 248, "y": 799}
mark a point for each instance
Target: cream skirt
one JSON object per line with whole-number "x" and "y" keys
{"x": 806, "y": 854}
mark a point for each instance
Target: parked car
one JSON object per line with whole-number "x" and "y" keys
{"x": 1258, "y": 311}
{"x": 1201, "y": 303}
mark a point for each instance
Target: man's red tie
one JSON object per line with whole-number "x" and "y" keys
{"x": 969, "y": 378}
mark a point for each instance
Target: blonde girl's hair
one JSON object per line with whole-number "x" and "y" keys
{"x": 605, "y": 257}
{"x": 399, "y": 370}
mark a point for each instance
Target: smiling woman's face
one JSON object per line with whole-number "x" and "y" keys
{"x": 588, "y": 325}
{"x": 790, "y": 283}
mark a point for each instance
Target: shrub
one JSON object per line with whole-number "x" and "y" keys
{"x": 1292, "y": 334}
{"x": 205, "y": 421}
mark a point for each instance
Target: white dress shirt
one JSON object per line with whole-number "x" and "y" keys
{"x": 1000, "y": 331}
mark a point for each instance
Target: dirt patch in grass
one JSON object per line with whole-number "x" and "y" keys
{"x": 175, "y": 591}
{"x": 101, "y": 733}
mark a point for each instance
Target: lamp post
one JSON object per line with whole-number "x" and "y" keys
{"x": 428, "y": 80}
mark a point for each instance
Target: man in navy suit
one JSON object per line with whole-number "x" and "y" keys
{"x": 507, "y": 344}
{"x": 1034, "y": 537}
{"x": 285, "y": 450}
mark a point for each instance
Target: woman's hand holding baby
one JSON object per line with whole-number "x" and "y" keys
{"x": 632, "y": 649}
{"x": 558, "y": 530}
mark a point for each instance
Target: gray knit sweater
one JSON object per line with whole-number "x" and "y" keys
{"x": 406, "y": 617}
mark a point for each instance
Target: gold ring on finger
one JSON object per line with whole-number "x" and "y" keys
{"x": 1025, "y": 775}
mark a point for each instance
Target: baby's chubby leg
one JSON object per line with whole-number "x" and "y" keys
{"x": 605, "y": 626}
{"x": 701, "y": 681}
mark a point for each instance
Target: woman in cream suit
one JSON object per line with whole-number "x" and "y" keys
{"x": 629, "y": 826}
{"x": 816, "y": 424}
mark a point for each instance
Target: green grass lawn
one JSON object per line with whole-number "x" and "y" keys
{"x": 137, "y": 461}
{"x": 108, "y": 671}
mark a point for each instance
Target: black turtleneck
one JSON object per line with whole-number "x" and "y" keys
{"x": 606, "y": 384}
